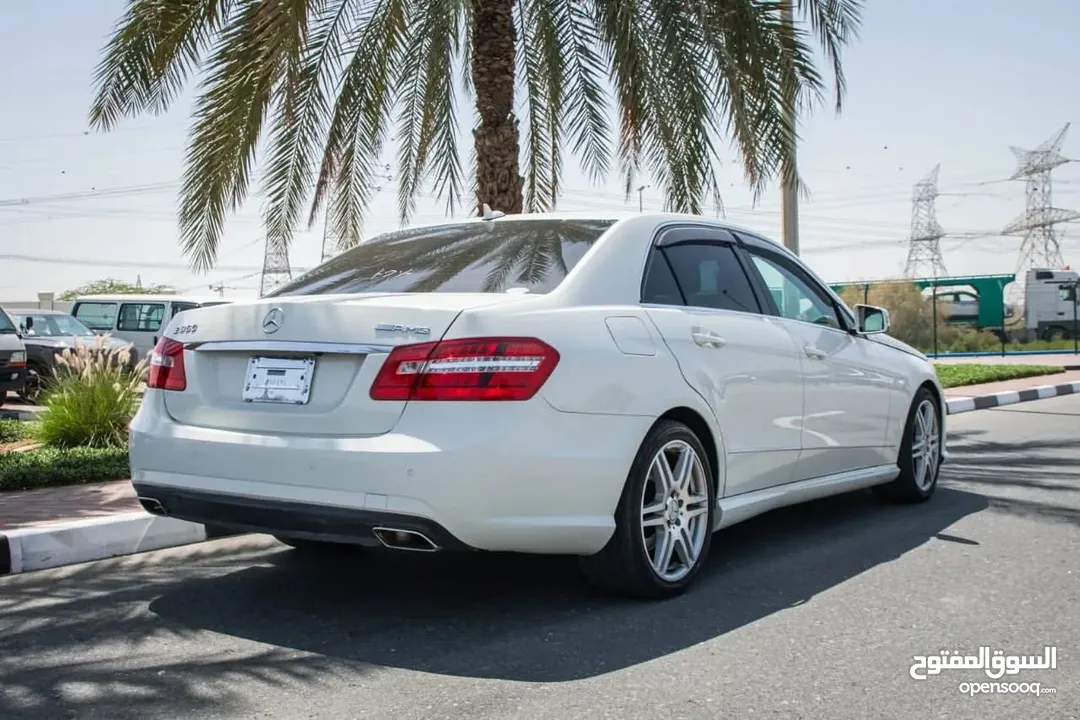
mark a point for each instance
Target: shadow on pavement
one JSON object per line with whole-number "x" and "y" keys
{"x": 531, "y": 619}
{"x": 507, "y": 617}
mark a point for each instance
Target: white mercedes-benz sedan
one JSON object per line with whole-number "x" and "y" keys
{"x": 612, "y": 388}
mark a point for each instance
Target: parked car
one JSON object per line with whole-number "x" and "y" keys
{"x": 46, "y": 334}
{"x": 12, "y": 357}
{"x": 612, "y": 388}
{"x": 136, "y": 319}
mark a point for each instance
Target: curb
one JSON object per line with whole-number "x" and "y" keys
{"x": 79, "y": 541}
{"x": 1010, "y": 397}
{"x": 23, "y": 415}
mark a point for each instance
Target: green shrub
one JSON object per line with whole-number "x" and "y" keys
{"x": 967, "y": 340}
{"x": 14, "y": 430}
{"x": 91, "y": 397}
{"x": 50, "y": 467}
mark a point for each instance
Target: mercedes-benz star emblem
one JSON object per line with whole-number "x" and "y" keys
{"x": 273, "y": 321}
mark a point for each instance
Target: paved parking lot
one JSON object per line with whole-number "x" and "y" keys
{"x": 810, "y": 612}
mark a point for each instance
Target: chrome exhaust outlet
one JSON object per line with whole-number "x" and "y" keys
{"x": 398, "y": 539}
{"x": 152, "y": 506}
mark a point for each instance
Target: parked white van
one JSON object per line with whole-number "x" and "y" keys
{"x": 12, "y": 357}
{"x": 137, "y": 319}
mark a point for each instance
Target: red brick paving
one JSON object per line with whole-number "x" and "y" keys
{"x": 52, "y": 505}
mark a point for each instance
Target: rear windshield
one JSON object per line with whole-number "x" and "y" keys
{"x": 534, "y": 255}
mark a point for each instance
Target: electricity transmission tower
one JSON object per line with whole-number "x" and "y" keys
{"x": 332, "y": 243}
{"x": 924, "y": 253}
{"x": 276, "y": 271}
{"x": 1040, "y": 247}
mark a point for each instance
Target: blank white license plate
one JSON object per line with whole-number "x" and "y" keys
{"x": 279, "y": 380}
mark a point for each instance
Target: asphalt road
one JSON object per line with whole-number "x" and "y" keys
{"x": 811, "y": 612}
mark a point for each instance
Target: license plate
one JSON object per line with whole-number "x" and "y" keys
{"x": 279, "y": 380}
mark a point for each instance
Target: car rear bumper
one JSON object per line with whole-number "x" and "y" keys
{"x": 12, "y": 379}
{"x": 288, "y": 519}
{"x": 509, "y": 477}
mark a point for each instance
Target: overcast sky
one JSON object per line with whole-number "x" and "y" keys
{"x": 954, "y": 82}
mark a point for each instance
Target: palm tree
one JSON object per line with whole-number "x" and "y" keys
{"x": 327, "y": 80}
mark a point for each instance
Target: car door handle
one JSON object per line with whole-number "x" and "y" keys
{"x": 813, "y": 353}
{"x": 707, "y": 338}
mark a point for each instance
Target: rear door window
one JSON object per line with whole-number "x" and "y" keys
{"x": 141, "y": 317}
{"x": 96, "y": 315}
{"x": 711, "y": 276}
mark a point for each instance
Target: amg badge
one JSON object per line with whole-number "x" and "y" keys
{"x": 407, "y": 329}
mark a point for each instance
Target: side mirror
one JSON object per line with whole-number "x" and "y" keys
{"x": 29, "y": 323}
{"x": 871, "y": 320}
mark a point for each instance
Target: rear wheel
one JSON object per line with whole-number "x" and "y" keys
{"x": 920, "y": 453}
{"x": 663, "y": 523}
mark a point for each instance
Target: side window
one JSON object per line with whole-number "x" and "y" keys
{"x": 796, "y": 297}
{"x": 141, "y": 317}
{"x": 711, "y": 276}
{"x": 96, "y": 316}
{"x": 660, "y": 286}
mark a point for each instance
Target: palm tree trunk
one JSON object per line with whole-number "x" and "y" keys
{"x": 494, "y": 44}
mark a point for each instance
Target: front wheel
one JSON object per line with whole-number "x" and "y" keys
{"x": 663, "y": 523}
{"x": 920, "y": 453}
{"x": 31, "y": 391}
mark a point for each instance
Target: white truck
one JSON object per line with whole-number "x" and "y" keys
{"x": 1050, "y": 306}
{"x": 1047, "y": 311}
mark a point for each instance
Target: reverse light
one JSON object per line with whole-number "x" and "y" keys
{"x": 485, "y": 368}
{"x": 167, "y": 366}
{"x": 17, "y": 359}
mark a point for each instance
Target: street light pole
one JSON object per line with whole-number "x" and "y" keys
{"x": 790, "y": 197}
{"x": 640, "y": 202}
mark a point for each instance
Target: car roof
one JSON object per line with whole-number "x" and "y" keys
{"x": 150, "y": 298}
{"x": 659, "y": 218}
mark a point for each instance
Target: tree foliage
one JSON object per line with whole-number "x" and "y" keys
{"x": 331, "y": 82}
{"x": 112, "y": 286}
{"x": 912, "y": 318}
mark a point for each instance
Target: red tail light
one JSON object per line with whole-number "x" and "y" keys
{"x": 489, "y": 368}
{"x": 167, "y": 366}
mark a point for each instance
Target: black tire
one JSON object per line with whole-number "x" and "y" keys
{"x": 318, "y": 547}
{"x": 1056, "y": 333}
{"x": 31, "y": 391}
{"x": 623, "y": 566}
{"x": 906, "y": 488}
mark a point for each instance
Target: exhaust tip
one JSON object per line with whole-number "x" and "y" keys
{"x": 152, "y": 506}
{"x": 398, "y": 539}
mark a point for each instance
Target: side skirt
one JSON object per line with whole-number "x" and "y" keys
{"x": 735, "y": 509}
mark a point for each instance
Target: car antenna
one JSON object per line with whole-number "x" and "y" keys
{"x": 490, "y": 214}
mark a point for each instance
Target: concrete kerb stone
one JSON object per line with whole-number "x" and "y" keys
{"x": 958, "y": 405}
{"x": 68, "y": 543}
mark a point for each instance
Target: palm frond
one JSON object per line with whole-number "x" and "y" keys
{"x": 150, "y": 55}
{"x": 542, "y": 79}
{"x": 427, "y": 118}
{"x": 259, "y": 46}
{"x": 837, "y": 23}
{"x": 302, "y": 116}
{"x": 357, "y": 131}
